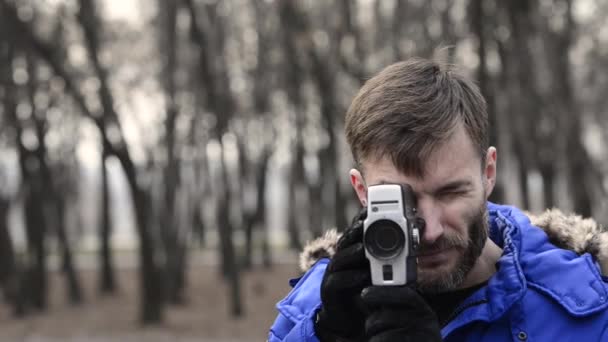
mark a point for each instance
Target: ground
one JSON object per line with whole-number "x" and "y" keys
{"x": 114, "y": 318}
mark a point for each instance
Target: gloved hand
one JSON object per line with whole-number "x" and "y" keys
{"x": 399, "y": 313}
{"x": 341, "y": 317}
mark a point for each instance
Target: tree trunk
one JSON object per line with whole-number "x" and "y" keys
{"x": 263, "y": 86}
{"x": 525, "y": 99}
{"x": 219, "y": 100}
{"x": 397, "y": 28}
{"x": 478, "y": 24}
{"x": 522, "y": 172}
{"x": 548, "y": 175}
{"x": 329, "y": 157}
{"x": 173, "y": 245}
{"x": 151, "y": 278}
{"x": 19, "y": 291}
{"x": 581, "y": 169}
{"x": 73, "y": 288}
{"x": 296, "y": 175}
{"x": 315, "y": 195}
{"x": 199, "y": 225}
{"x": 7, "y": 253}
{"x": 579, "y": 164}
{"x": 353, "y": 64}
{"x": 201, "y": 189}
{"x": 257, "y": 219}
{"x": 33, "y": 284}
{"x": 169, "y": 227}
{"x": 151, "y": 282}
{"x": 323, "y": 73}
{"x": 53, "y": 201}
{"x": 107, "y": 280}
{"x": 249, "y": 223}
{"x": 231, "y": 268}
{"x": 36, "y": 232}
{"x": 291, "y": 27}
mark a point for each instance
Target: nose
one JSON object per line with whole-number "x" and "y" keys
{"x": 431, "y": 214}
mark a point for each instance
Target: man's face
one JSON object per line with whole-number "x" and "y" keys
{"x": 451, "y": 198}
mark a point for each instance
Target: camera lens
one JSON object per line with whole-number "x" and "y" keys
{"x": 384, "y": 239}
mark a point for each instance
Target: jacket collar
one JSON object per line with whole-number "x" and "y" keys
{"x": 529, "y": 260}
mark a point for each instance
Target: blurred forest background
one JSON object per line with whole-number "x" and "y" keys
{"x": 162, "y": 162}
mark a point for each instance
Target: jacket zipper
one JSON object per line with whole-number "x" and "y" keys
{"x": 459, "y": 310}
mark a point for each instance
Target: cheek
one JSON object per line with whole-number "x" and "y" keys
{"x": 458, "y": 215}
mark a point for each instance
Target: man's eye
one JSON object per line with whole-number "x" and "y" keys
{"x": 451, "y": 193}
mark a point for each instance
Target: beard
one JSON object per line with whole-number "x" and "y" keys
{"x": 469, "y": 249}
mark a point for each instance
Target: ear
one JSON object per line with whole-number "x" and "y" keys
{"x": 489, "y": 172}
{"x": 356, "y": 180}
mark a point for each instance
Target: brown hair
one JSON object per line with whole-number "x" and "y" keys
{"x": 409, "y": 109}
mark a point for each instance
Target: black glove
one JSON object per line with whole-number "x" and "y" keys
{"x": 341, "y": 317}
{"x": 399, "y": 313}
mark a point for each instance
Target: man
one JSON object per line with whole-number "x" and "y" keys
{"x": 485, "y": 272}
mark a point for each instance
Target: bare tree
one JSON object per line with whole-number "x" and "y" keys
{"x": 293, "y": 78}
{"x": 208, "y": 35}
{"x": 353, "y": 62}
{"x": 482, "y": 30}
{"x": 54, "y": 198}
{"x": 582, "y": 172}
{"x": 255, "y": 219}
{"x": 324, "y": 67}
{"x": 8, "y": 262}
{"x": 33, "y": 284}
{"x": 525, "y": 100}
{"x": 172, "y": 239}
{"x": 151, "y": 281}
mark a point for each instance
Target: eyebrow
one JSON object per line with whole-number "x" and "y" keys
{"x": 454, "y": 185}
{"x": 450, "y": 186}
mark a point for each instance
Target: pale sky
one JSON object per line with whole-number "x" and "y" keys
{"x": 127, "y": 10}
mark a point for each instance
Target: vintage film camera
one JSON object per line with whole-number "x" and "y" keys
{"x": 391, "y": 234}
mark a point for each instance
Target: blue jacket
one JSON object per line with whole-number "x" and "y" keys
{"x": 539, "y": 293}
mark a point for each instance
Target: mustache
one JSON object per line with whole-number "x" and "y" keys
{"x": 444, "y": 242}
{"x": 477, "y": 234}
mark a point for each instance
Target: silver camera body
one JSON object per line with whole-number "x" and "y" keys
{"x": 391, "y": 234}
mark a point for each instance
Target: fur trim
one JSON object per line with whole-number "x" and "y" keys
{"x": 565, "y": 231}
{"x": 319, "y": 248}
{"x": 575, "y": 233}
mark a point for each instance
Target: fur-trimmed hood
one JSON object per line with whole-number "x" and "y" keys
{"x": 565, "y": 231}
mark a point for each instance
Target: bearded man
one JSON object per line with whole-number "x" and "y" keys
{"x": 485, "y": 272}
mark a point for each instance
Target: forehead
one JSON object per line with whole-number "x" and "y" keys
{"x": 456, "y": 159}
